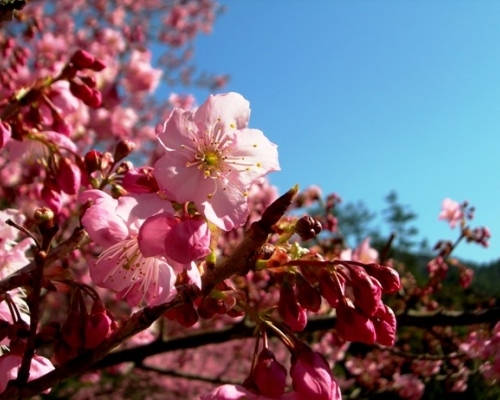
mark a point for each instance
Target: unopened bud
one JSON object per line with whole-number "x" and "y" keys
{"x": 44, "y": 218}
{"x": 140, "y": 180}
{"x": 93, "y": 161}
{"x": 307, "y": 296}
{"x": 269, "y": 375}
{"x": 97, "y": 65}
{"x": 82, "y": 59}
{"x": 307, "y": 227}
{"x": 123, "y": 149}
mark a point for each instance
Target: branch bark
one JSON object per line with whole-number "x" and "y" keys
{"x": 242, "y": 330}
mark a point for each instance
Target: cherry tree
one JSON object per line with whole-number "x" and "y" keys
{"x": 143, "y": 234}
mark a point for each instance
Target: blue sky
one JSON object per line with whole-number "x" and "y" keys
{"x": 367, "y": 97}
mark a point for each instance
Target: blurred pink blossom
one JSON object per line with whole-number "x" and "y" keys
{"x": 451, "y": 211}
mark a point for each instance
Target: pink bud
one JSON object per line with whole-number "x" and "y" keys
{"x": 99, "y": 326}
{"x": 269, "y": 375}
{"x": 52, "y": 196}
{"x": 186, "y": 315}
{"x": 140, "y": 180}
{"x": 68, "y": 176}
{"x": 82, "y": 92}
{"x": 123, "y": 148}
{"x": 93, "y": 161}
{"x": 312, "y": 377}
{"x": 290, "y": 310}
{"x": 95, "y": 100}
{"x": 387, "y": 276}
{"x": 307, "y": 296}
{"x": 329, "y": 287}
{"x": 188, "y": 240}
{"x": 98, "y": 65}
{"x": 82, "y": 59}
{"x": 367, "y": 291}
{"x": 384, "y": 322}
{"x": 352, "y": 325}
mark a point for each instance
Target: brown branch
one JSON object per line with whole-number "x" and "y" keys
{"x": 238, "y": 262}
{"x": 324, "y": 323}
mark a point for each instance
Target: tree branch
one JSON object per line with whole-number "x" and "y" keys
{"x": 243, "y": 330}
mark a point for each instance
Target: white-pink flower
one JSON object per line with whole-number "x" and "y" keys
{"x": 451, "y": 211}
{"x": 115, "y": 224}
{"x": 10, "y": 363}
{"x": 212, "y": 158}
{"x": 139, "y": 75}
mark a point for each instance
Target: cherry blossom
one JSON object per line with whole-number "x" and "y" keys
{"x": 10, "y": 363}
{"x": 115, "y": 223}
{"x": 451, "y": 211}
{"x": 212, "y": 158}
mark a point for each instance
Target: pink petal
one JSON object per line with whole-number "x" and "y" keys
{"x": 229, "y": 107}
{"x": 227, "y": 209}
{"x": 153, "y": 232}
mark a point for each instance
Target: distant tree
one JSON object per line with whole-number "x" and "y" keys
{"x": 355, "y": 220}
{"x": 399, "y": 218}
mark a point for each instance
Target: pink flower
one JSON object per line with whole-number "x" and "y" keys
{"x": 312, "y": 377}
{"x": 237, "y": 392}
{"x": 212, "y": 158}
{"x": 10, "y": 363}
{"x": 12, "y": 253}
{"x": 363, "y": 253}
{"x": 122, "y": 266}
{"x": 451, "y": 211}
{"x": 139, "y": 75}
{"x": 182, "y": 240}
{"x": 409, "y": 386}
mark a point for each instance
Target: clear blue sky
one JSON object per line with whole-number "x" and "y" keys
{"x": 365, "y": 97}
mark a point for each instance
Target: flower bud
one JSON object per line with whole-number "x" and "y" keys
{"x": 367, "y": 291}
{"x": 329, "y": 287}
{"x": 307, "y": 296}
{"x": 384, "y": 322}
{"x": 82, "y": 92}
{"x": 352, "y": 325}
{"x": 93, "y": 161}
{"x": 97, "y": 65}
{"x": 269, "y": 375}
{"x": 290, "y": 310}
{"x": 123, "y": 149}
{"x": 186, "y": 315}
{"x": 387, "y": 276}
{"x": 312, "y": 377}
{"x": 95, "y": 100}
{"x": 99, "y": 326}
{"x": 68, "y": 176}
{"x": 51, "y": 194}
{"x": 188, "y": 240}
{"x": 140, "y": 180}
{"x": 307, "y": 227}
{"x": 82, "y": 59}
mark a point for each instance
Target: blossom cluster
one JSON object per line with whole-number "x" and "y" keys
{"x": 98, "y": 253}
